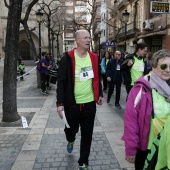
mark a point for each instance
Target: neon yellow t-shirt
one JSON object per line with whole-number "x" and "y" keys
{"x": 161, "y": 113}
{"x": 136, "y": 70}
{"x": 83, "y": 89}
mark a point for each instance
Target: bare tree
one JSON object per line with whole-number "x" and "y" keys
{"x": 90, "y": 11}
{"x": 50, "y": 8}
{"x": 24, "y": 22}
{"x": 10, "y": 113}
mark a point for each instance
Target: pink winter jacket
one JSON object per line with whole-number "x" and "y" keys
{"x": 137, "y": 117}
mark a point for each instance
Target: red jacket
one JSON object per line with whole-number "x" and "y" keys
{"x": 66, "y": 79}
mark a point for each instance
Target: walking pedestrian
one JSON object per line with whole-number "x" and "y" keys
{"x": 133, "y": 66}
{"x": 43, "y": 72}
{"x": 78, "y": 90}
{"x": 147, "y": 109}
{"x": 147, "y": 67}
{"x": 105, "y": 60}
{"x": 114, "y": 77}
{"x": 21, "y": 68}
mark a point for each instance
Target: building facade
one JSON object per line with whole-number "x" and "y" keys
{"x": 24, "y": 48}
{"x": 142, "y": 26}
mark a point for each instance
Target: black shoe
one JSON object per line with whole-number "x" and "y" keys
{"x": 118, "y": 106}
{"x": 108, "y": 100}
{"x": 44, "y": 92}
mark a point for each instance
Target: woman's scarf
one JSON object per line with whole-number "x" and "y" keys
{"x": 160, "y": 85}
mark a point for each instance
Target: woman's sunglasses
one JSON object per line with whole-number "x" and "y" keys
{"x": 164, "y": 66}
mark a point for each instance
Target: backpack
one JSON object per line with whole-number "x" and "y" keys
{"x": 39, "y": 65}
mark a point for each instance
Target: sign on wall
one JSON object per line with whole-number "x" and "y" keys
{"x": 108, "y": 44}
{"x": 159, "y": 7}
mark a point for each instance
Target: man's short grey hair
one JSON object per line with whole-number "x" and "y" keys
{"x": 158, "y": 55}
{"x": 77, "y": 33}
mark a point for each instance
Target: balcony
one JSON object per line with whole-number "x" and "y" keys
{"x": 131, "y": 31}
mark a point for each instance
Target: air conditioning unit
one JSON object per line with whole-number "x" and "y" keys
{"x": 148, "y": 25}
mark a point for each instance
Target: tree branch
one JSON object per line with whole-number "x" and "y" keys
{"x": 6, "y": 4}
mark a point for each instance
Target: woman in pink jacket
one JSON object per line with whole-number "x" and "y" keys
{"x": 147, "y": 108}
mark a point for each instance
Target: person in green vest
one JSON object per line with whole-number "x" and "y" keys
{"x": 78, "y": 90}
{"x": 133, "y": 66}
{"x": 147, "y": 110}
{"x": 21, "y": 68}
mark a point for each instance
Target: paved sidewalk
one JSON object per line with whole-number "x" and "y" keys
{"x": 42, "y": 146}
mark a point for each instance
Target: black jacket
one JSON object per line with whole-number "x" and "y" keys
{"x": 126, "y": 69}
{"x": 112, "y": 72}
{"x": 65, "y": 85}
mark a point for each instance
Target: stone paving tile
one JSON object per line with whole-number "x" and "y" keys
{"x": 52, "y": 154}
{"x": 30, "y": 103}
{"x": 32, "y": 91}
{"x": 10, "y": 147}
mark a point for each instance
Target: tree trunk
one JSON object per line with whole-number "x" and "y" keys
{"x": 10, "y": 113}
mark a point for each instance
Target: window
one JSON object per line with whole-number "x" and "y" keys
{"x": 69, "y": 11}
{"x": 68, "y": 19}
{"x": 80, "y": 3}
{"x": 80, "y": 9}
{"x": 69, "y": 3}
{"x": 69, "y": 34}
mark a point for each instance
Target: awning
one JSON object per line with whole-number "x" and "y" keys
{"x": 152, "y": 34}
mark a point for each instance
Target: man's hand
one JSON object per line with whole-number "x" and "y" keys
{"x": 100, "y": 101}
{"x": 131, "y": 159}
{"x": 108, "y": 79}
{"x": 130, "y": 62}
{"x": 59, "y": 110}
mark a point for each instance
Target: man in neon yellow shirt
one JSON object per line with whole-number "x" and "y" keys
{"x": 78, "y": 90}
{"x": 133, "y": 66}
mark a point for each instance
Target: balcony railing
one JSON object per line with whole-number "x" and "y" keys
{"x": 130, "y": 30}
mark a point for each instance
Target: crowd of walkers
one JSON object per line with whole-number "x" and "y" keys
{"x": 147, "y": 112}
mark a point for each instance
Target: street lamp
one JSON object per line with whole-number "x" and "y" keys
{"x": 99, "y": 36}
{"x": 39, "y": 16}
{"x": 125, "y": 19}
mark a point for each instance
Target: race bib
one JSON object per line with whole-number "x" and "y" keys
{"x": 118, "y": 67}
{"x": 86, "y": 73}
{"x": 141, "y": 67}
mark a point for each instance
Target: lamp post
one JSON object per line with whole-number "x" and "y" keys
{"x": 39, "y": 16}
{"x": 125, "y": 19}
{"x": 99, "y": 36}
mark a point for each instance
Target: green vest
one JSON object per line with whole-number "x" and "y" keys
{"x": 136, "y": 70}
{"x": 161, "y": 112}
{"x": 83, "y": 90}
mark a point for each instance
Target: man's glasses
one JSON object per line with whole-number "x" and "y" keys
{"x": 164, "y": 66}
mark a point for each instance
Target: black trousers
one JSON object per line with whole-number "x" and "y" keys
{"x": 82, "y": 115}
{"x": 140, "y": 159}
{"x": 47, "y": 80}
{"x": 43, "y": 81}
{"x": 111, "y": 89}
{"x": 21, "y": 73}
{"x": 128, "y": 88}
{"x": 104, "y": 77}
